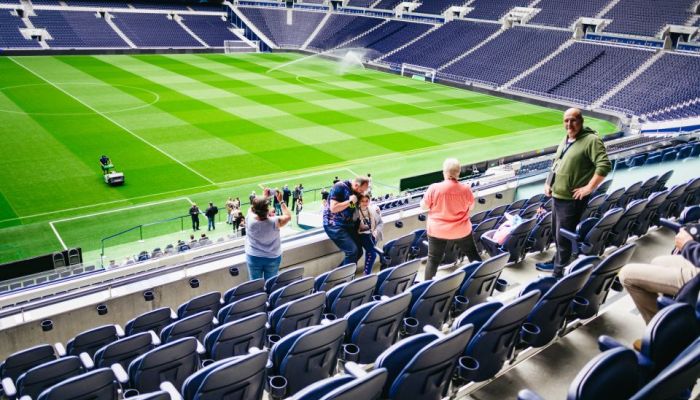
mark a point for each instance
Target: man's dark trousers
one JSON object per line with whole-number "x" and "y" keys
{"x": 195, "y": 222}
{"x": 566, "y": 214}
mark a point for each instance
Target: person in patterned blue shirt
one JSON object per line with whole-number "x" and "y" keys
{"x": 338, "y": 217}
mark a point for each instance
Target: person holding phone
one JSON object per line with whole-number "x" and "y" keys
{"x": 262, "y": 238}
{"x": 338, "y": 217}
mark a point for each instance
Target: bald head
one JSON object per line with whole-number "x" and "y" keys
{"x": 573, "y": 122}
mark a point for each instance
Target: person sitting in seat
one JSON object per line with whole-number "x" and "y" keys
{"x": 106, "y": 164}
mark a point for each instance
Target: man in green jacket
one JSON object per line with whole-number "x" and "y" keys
{"x": 580, "y": 166}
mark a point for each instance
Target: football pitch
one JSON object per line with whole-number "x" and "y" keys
{"x": 200, "y": 128}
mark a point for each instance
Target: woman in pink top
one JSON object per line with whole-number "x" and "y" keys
{"x": 448, "y": 204}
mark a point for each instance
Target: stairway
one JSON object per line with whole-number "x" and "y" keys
{"x": 178, "y": 19}
{"x": 396, "y": 50}
{"x": 316, "y": 31}
{"x": 365, "y": 33}
{"x": 607, "y": 8}
{"x": 628, "y": 80}
{"x": 108, "y": 20}
{"x": 252, "y": 27}
{"x": 532, "y": 69}
{"x": 473, "y": 49}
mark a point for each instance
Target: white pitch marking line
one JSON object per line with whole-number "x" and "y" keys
{"x": 53, "y": 228}
{"x": 121, "y": 209}
{"x": 114, "y": 122}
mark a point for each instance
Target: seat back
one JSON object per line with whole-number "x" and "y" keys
{"x": 91, "y": 340}
{"x": 308, "y": 355}
{"x": 480, "y": 282}
{"x": 432, "y": 300}
{"x": 671, "y": 330}
{"x": 236, "y": 338}
{"x": 397, "y": 251}
{"x": 629, "y": 195}
{"x": 17, "y": 363}
{"x": 595, "y": 241}
{"x": 603, "y": 188}
{"x": 374, "y": 326}
{"x": 555, "y": 305}
{"x": 150, "y": 321}
{"x": 243, "y": 290}
{"x": 172, "y": 362}
{"x": 649, "y": 215}
{"x": 337, "y": 276}
{"x": 676, "y": 380}
{"x": 689, "y": 215}
{"x": 478, "y": 217}
{"x": 42, "y": 377}
{"x": 611, "y": 200}
{"x": 498, "y": 211}
{"x": 481, "y": 228}
{"x": 197, "y": 326}
{"x": 620, "y": 232}
{"x": 295, "y": 290}
{"x": 208, "y": 301}
{"x": 663, "y": 179}
{"x": 421, "y": 367}
{"x": 348, "y": 296}
{"x": 241, "y": 377}
{"x": 393, "y": 281}
{"x": 97, "y": 384}
{"x": 593, "y": 206}
{"x": 123, "y": 351}
{"x": 692, "y": 192}
{"x": 613, "y": 374}
{"x": 284, "y": 278}
{"x": 516, "y": 243}
{"x": 420, "y": 246}
{"x": 530, "y": 211}
{"x": 541, "y": 235}
{"x": 674, "y": 201}
{"x": 647, "y": 187}
{"x": 297, "y": 314}
{"x": 242, "y": 308}
{"x": 346, "y": 387}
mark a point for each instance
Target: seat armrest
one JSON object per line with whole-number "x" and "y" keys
{"x": 8, "y": 387}
{"x": 86, "y": 360}
{"x": 379, "y": 251}
{"x": 569, "y": 235}
{"x": 119, "y": 373}
{"x": 170, "y": 389}
{"x": 528, "y": 394}
{"x": 200, "y": 348}
{"x": 355, "y": 370}
{"x": 606, "y": 342}
{"x": 120, "y": 330}
{"x": 433, "y": 330}
{"x": 60, "y": 349}
{"x": 155, "y": 340}
{"x": 664, "y": 301}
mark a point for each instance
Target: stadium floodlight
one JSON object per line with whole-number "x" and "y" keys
{"x": 418, "y": 72}
{"x": 241, "y": 46}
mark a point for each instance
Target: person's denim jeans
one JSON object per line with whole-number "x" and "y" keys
{"x": 211, "y": 223}
{"x": 263, "y": 267}
{"x": 367, "y": 241}
{"x": 347, "y": 242}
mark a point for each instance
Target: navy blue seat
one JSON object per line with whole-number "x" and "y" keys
{"x": 596, "y": 290}
{"x": 517, "y": 205}
{"x": 541, "y": 236}
{"x": 297, "y": 314}
{"x": 242, "y": 308}
{"x": 653, "y": 159}
{"x": 42, "y": 377}
{"x": 661, "y": 182}
{"x": 535, "y": 199}
{"x": 91, "y": 340}
{"x": 498, "y": 211}
{"x": 236, "y": 338}
{"x": 630, "y": 194}
{"x": 431, "y": 301}
{"x": 481, "y": 279}
{"x": 374, "y": 326}
{"x": 611, "y": 201}
{"x": 244, "y": 290}
{"x": 197, "y": 326}
{"x": 529, "y": 212}
{"x": 353, "y": 385}
{"x": 420, "y": 244}
{"x": 209, "y": 301}
{"x": 592, "y": 235}
{"x": 603, "y": 188}
{"x": 676, "y": 380}
{"x": 674, "y": 203}
{"x": 397, "y": 251}
{"x": 17, "y": 363}
{"x": 337, "y": 276}
{"x": 307, "y": 355}
{"x": 478, "y": 217}
{"x": 125, "y": 350}
{"x": 669, "y": 156}
{"x": 284, "y": 278}
{"x": 690, "y": 214}
{"x": 621, "y": 231}
{"x": 98, "y": 384}
{"x": 421, "y": 366}
{"x": 294, "y": 290}
{"x": 593, "y": 206}
{"x": 684, "y": 152}
{"x": 150, "y": 321}
{"x": 696, "y": 150}
{"x": 636, "y": 161}
{"x": 241, "y": 377}
{"x": 393, "y": 281}
{"x": 556, "y": 303}
{"x": 516, "y": 242}
{"x": 348, "y": 296}
{"x": 172, "y": 362}
{"x": 497, "y": 329}
{"x": 479, "y": 229}
{"x": 647, "y": 187}
{"x": 692, "y": 192}
{"x": 649, "y": 215}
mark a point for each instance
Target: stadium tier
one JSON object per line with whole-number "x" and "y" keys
{"x": 154, "y": 30}
{"x": 437, "y": 6}
{"x": 210, "y": 29}
{"x": 564, "y": 13}
{"x": 70, "y": 29}
{"x": 10, "y": 35}
{"x": 286, "y": 28}
{"x": 340, "y": 28}
{"x": 646, "y": 18}
{"x": 494, "y": 10}
{"x": 387, "y": 37}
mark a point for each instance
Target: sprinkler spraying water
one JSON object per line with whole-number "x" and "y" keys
{"x": 348, "y": 59}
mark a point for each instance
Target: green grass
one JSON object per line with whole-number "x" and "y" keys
{"x": 206, "y": 127}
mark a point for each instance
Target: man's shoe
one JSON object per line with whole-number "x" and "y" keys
{"x": 545, "y": 267}
{"x": 637, "y": 345}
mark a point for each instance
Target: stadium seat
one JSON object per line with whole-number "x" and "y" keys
{"x": 661, "y": 182}
{"x": 529, "y": 212}
{"x": 541, "y": 236}
{"x": 91, "y": 340}
{"x": 354, "y": 384}
{"x": 36, "y": 380}
{"x": 649, "y": 215}
{"x": 630, "y": 194}
{"x": 297, "y": 314}
{"x": 374, "y": 326}
{"x": 478, "y": 217}
{"x": 684, "y": 152}
{"x": 603, "y": 188}
{"x": 669, "y": 156}
{"x": 125, "y": 350}
{"x": 592, "y": 235}
{"x": 516, "y": 242}
{"x": 692, "y": 192}
{"x": 482, "y": 227}
{"x": 480, "y": 280}
{"x": 653, "y": 159}
{"x": 242, "y": 308}
{"x": 150, "y": 321}
{"x": 241, "y": 377}
{"x": 647, "y": 187}
{"x": 337, "y": 276}
{"x": 432, "y": 300}
{"x": 498, "y": 211}
{"x": 420, "y": 243}
{"x": 421, "y": 367}
{"x": 689, "y": 215}
{"x": 517, "y": 205}
{"x": 243, "y": 290}
{"x": 196, "y": 326}
{"x": 18, "y": 363}
{"x": 348, "y": 296}
{"x": 395, "y": 280}
{"x": 172, "y": 362}
{"x": 677, "y": 380}
{"x": 536, "y": 199}
{"x": 623, "y": 228}
{"x": 596, "y": 290}
{"x": 396, "y": 251}
{"x": 307, "y": 355}
{"x": 497, "y": 329}
{"x": 674, "y": 203}
{"x": 237, "y": 337}
{"x": 636, "y": 161}
{"x": 209, "y": 301}
{"x": 611, "y": 201}
{"x": 284, "y": 278}
{"x": 294, "y": 290}
{"x": 98, "y": 384}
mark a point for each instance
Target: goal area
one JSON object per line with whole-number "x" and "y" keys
{"x": 241, "y": 46}
{"x": 418, "y": 72}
